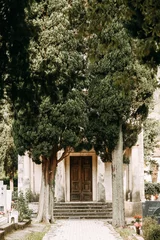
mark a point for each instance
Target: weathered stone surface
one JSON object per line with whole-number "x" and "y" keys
{"x": 133, "y": 208}
{"x": 151, "y": 208}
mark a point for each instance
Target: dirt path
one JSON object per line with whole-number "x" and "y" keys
{"x": 21, "y": 234}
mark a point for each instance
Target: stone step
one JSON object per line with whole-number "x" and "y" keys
{"x": 84, "y": 213}
{"x": 83, "y": 210}
{"x": 82, "y": 207}
{"x": 79, "y": 205}
{"x": 84, "y": 203}
{"x": 3, "y": 220}
{"x": 84, "y": 217}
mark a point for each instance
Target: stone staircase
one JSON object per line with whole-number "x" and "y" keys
{"x": 88, "y": 210}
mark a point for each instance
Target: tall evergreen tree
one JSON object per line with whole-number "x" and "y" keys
{"x": 120, "y": 90}
{"x": 50, "y": 109}
{"x": 14, "y": 37}
{"x": 8, "y": 153}
{"x": 143, "y": 22}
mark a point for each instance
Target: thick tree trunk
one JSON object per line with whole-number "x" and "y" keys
{"x": 47, "y": 192}
{"x": 43, "y": 209}
{"x": 118, "y": 218}
{"x": 46, "y": 200}
{"x": 53, "y": 166}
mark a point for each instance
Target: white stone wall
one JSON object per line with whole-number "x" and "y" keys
{"x": 29, "y": 174}
{"x": 60, "y": 182}
{"x": 101, "y": 186}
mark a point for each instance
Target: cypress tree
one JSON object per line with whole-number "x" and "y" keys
{"x": 50, "y": 107}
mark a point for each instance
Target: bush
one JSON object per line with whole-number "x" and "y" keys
{"x": 152, "y": 189}
{"x": 32, "y": 197}
{"x": 21, "y": 205}
{"x": 151, "y": 229}
{"x": 15, "y": 195}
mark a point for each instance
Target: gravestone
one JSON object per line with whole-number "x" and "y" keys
{"x": 3, "y": 189}
{"x": 151, "y": 209}
{"x": 5, "y": 198}
{"x": 3, "y": 203}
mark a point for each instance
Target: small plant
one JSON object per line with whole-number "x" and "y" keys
{"x": 32, "y": 197}
{"x": 15, "y": 195}
{"x": 138, "y": 218}
{"x": 151, "y": 229}
{"x": 21, "y": 205}
{"x": 126, "y": 233}
{"x": 151, "y": 189}
{"x": 37, "y": 235}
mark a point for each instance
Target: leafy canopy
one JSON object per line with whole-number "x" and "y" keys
{"x": 55, "y": 115}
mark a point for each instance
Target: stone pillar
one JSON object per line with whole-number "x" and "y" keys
{"x": 20, "y": 172}
{"x": 136, "y": 184}
{"x": 24, "y": 174}
{"x": 125, "y": 180}
{"x": 137, "y": 164}
{"x": 141, "y": 166}
{"x": 26, "y": 179}
{"x": 59, "y": 178}
{"x": 135, "y": 174}
{"x": 100, "y": 181}
{"x": 37, "y": 177}
{"x": 108, "y": 181}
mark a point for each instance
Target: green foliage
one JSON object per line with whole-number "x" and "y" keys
{"x": 55, "y": 116}
{"x": 21, "y": 205}
{"x": 121, "y": 86}
{"x": 15, "y": 195}
{"x": 8, "y": 153}
{"x": 126, "y": 233}
{"x": 14, "y": 37}
{"x": 151, "y": 229}
{"x": 152, "y": 188}
{"x": 151, "y": 133}
{"x": 143, "y": 23}
{"x": 37, "y": 235}
{"x": 31, "y": 197}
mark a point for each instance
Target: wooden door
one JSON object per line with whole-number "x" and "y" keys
{"x": 81, "y": 178}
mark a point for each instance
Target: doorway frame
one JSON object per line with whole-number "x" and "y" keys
{"x": 94, "y": 173}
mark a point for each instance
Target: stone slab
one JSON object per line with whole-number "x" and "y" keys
{"x": 151, "y": 208}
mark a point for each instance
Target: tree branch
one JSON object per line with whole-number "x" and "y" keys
{"x": 65, "y": 154}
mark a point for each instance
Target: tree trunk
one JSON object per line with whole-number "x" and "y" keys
{"x": 47, "y": 192}
{"x": 53, "y": 166}
{"x": 118, "y": 217}
{"x": 46, "y": 199}
{"x": 43, "y": 209}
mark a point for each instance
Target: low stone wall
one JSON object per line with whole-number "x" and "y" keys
{"x": 133, "y": 208}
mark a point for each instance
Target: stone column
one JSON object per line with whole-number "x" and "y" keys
{"x": 141, "y": 162}
{"x": 59, "y": 183}
{"x": 26, "y": 172}
{"x": 100, "y": 180}
{"x": 135, "y": 174}
{"x": 137, "y": 164}
{"x": 108, "y": 181}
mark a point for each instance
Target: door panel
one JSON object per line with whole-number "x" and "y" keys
{"x": 81, "y": 178}
{"x": 86, "y": 178}
{"x": 75, "y": 179}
